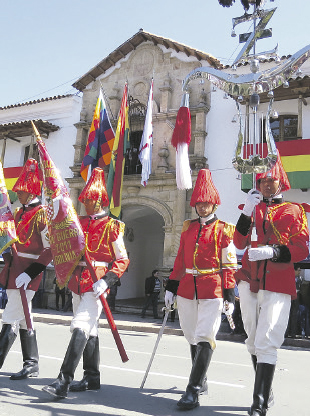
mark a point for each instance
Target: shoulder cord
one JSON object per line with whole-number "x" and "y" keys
{"x": 280, "y": 239}
{"x": 209, "y": 271}
{"x": 38, "y": 216}
{"x": 107, "y": 229}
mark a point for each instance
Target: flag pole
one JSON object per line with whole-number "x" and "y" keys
{"x": 108, "y": 313}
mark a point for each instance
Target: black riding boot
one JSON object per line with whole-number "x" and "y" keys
{"x": 91, "y": 358}
{"x": 7, "y": 337}
{"x": 204, "y": 387}
{"x": 262, "y": 386}
{"x": 59, "y": 388}
{"x": 271, "y": 396}
{"x": 30, "y": 356}
{"x": 190, "y": 398}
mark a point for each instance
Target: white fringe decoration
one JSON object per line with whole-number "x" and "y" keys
{"x": 183, "y": 170}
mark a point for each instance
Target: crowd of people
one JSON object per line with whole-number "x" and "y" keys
{"x": 264, "y": 296}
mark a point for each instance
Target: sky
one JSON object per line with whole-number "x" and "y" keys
{"x": 46, "y": 45}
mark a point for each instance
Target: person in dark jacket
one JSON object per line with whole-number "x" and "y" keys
{"x": 152, "y": 290}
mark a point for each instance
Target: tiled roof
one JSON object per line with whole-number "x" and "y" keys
{"x": 40, "y": 100}
{"x": 131, "y": 44}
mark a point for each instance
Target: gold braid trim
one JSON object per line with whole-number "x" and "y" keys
{"x": 38, "y": 217}
{"x": 280, "y": 239}
{"x": 213, "y": 270}
{"x": 106, "y": 230}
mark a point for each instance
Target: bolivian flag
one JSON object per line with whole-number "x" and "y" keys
{"x": 120, "y": 146}
{"x": 295, "y": 157}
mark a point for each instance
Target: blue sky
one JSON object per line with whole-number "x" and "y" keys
{"x": 47, "y": 44}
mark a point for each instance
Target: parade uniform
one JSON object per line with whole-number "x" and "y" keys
{"x": 202, "y": 276}
{"x": 30, "y": 255}
{"x": 204, "y": 266}
{"x": 266, "y": 286}
{"x": 105, "y": 246}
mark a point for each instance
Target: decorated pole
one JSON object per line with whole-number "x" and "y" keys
{"x": 108, "y": 313}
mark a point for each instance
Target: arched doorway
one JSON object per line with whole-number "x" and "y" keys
{"x": 144, "y": 240}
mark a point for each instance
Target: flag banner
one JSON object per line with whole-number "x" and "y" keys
{"x": 295, "y": 157}
{"x": 116, "y": 170}
{"x": 145, "y": 150}
{"x": 7, "y": 224}
{"x": 100, "y": 140}
{"x": 65, "y": 232}
{"x": 180, "y": 140}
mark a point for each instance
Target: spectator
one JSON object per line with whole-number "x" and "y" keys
{"x": 152, "y": 290}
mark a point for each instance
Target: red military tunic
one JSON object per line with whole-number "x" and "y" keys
{"x": 213, "y": 260}
{"x": 101, "y": 234}
{"x": 285, "y": 224}
{"x": 29, "y": 223}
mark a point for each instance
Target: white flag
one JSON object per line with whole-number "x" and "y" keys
{"x": 145, "y": 150}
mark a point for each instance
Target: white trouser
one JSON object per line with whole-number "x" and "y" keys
{"x": 200, "y": 319}
{"x": 13, "y": 313}
{"x": 265, "y": 317}
{"x": 86, "y": 313}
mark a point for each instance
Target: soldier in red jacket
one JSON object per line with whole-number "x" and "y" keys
{"x": 202, "y": 276}
{"x": 105, "y": 245}
{"x": 24, "y": 267}
{"x": 267, "y": 278}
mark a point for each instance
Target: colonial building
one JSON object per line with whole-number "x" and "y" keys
{"x": 154, "y": 214}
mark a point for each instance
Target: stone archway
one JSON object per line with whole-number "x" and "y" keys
{"x": 145, "y": 220}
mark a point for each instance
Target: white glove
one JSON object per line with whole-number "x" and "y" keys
{"x": 228, "y": 308}
{"x": 261, "y": 253}
{"x": 100, "y": 288}
{"x": 22, "y": 279}
{"x": 169, "y": 299}
{"x": 252, "y": 199}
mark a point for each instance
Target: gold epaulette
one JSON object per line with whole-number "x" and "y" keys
{"x": 186, "y": 224}
{"x": 16, "y": 211}
{"x": 121, "y": 226}
{"x": 229, "y": 229}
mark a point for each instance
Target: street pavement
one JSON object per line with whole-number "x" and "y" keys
{"x": 230, "y": 376}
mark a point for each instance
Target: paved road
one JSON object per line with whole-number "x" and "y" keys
{"x": 230, "y": 379}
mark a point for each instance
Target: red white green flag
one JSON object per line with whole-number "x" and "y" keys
{"x": 116, "y": 170}
{"x": 65, "y": 232}
{"x": 7, "y": 224}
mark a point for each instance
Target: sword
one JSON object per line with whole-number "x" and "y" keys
{"x": 160, "y": 333}
{"x": 229, "y": 317}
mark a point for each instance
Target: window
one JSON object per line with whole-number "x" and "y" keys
{"x": 284, "y": 127}
{"x": 132, "y": 161}
{"x": 35, "y": 153}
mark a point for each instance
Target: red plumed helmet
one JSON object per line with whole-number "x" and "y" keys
{"x": 95, "y": 188}
{"x": 205, "y": 190}
{"x": 29, "y": 180}
{"x": 278, "y": 173}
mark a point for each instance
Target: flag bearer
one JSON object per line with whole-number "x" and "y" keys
{"x": 202, "y": 277}
{"x": 105, "y": 245}
{"x": 267, "y": 277}
{"x": 24, "y": 267}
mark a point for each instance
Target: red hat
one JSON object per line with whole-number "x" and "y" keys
{"x": 95, "y": 188}
{"x": 205, "y": 190}
{"x": 29, "y": 180}
{"x": 277, "y": 173}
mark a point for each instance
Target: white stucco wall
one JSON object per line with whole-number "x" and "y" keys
{"x": 63, "y": 112}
